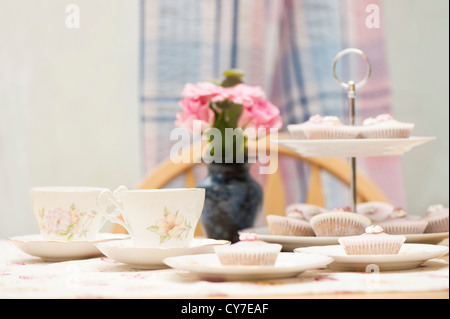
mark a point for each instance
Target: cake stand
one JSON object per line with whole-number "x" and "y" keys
{"x": 353, "y": 148}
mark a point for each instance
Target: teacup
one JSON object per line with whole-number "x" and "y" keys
{"x": 164, "y": 218}
{"x": 67, "y": 213}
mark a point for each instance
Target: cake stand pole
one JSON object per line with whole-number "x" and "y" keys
{"x": 351, "y": 98}
{"x": 351, "y": 93}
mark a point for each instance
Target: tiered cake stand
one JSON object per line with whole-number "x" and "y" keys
{"x": 351, "y": 148}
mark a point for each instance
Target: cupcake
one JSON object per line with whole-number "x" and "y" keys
{"x": 437, "y": 218}
{"x": 375, "y": 211}
{"x": 339, "y": 222}
{"x": 373, "y": 242}
{"x": 399, "y": 222}
{"x": 307, "y": 210}
{"x": 294, "y": 224}
{"x": 248, "y": 251}
{"x": 385, "y": 126}
{"x": 327, "y": 127}
{"x": 297, "y": 130}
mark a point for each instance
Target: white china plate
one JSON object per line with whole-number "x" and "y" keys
{"x": 152, "y": 258}
{"x": 289, "y": 243}
{"x": 208, "y": 267}
{"x": 353, "y": 147}
{"x": 410, "y": 256}
{"x": 55, "y": 250}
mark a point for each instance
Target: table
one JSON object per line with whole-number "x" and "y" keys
{"x": 24, "y": 276}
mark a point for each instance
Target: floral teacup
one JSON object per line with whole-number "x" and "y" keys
{"x": 67, "y": 213}
{"x": 164, "y": 218}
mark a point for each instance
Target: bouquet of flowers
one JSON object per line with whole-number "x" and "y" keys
{"x": 233, "y": 105}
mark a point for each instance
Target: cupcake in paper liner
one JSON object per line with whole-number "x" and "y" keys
{"x": 375, "y": 211}
{"x": 400, "y": 223}
{"x": 385, "y": 126}
{"x": 294, "y": 224}
{"x": 248, "y": 251}
{"x": 308, "y": 211}
{"x": 339, "y": 222}
{"x": 437, "y": 217}
{"x": 330, "y": 127}
{"x": 296, "y": 131}
{"x": 373, "y": 242}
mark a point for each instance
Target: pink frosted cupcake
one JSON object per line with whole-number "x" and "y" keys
{"x": 248, "y": 251}
{"x": 385, "y": 126}
{"x": 437, "y": 217}
{"x": 328, "y": 127}
{"x": 375, "y": 211}
{"x": 297, "y": 130}
{"x": 339, "y": 222}
{"x": 399, "y": 222}
{"x": 307, "y": 210}
{"x": 373, "y": 242}
{"x": 294, "y": 224}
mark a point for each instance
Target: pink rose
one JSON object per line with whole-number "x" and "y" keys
{"x": 58, "y": 220}
{"x": 245, "y": 94}
{"x": 195, "y": 110}
{"x": 257, "y": 112}
{"x": 262, "y": 114}
{"x": 201, "y": 90}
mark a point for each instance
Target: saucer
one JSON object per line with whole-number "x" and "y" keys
{"x": 152, "y": 258}
{"x": 55, "y": 250}
{"x": 208, "y": 267}
{"x": 410, "y": 256}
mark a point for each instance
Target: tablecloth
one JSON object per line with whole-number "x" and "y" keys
{"x": 24, "y": 276}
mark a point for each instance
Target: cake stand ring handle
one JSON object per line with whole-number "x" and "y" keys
{"x": 360, "y": 53}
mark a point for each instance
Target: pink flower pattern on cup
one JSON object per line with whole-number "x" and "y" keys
{"x": 172, "y": 226}
{"x": 65, "y": 223}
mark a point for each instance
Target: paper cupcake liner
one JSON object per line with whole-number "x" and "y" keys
{"x": 386, "y": 131}
{"x": 335, "y": 224}
{"x": 296, "y": 131}
{"x": 437, "y": 224}
{"x": 405, "y": 227}
{"x": 285, "y": 226}
{"x": 372, "y": 245}
{"x": 242, "y": 253}
{"x": 330, "y": 132}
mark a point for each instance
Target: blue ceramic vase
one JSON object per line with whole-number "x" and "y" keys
{"x": 232, "y": 200}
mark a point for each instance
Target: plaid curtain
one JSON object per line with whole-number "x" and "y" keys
{"x": 285, "y": 46}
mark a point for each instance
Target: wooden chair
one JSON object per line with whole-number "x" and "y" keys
{"x": 274, "y": 191}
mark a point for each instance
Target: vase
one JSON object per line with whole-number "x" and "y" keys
{"x": 232, "y": 200}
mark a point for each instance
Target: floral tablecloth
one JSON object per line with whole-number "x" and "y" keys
{"x": 24, "y": 276}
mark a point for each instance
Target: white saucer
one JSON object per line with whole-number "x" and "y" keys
{"x": 289, "y": 243}
{"x": 55, "y": 250}
{"x": 152, "y": 258}
{"x": 354, "y": 147}
{"x": 208, "y": 267}
{"x": 410, "y": 256}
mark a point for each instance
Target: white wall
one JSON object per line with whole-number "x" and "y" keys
{"x": 69, "y": 110}
{"x": 68, "y": 100}
{"x": 418, "y": 50}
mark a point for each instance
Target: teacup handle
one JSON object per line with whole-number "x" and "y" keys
{"x": 106, "y": 197}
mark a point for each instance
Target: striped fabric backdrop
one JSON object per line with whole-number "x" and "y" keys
{"x": 285, "y": 46}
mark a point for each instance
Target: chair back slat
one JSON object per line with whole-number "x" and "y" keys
{"x": 314, "y": 194}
